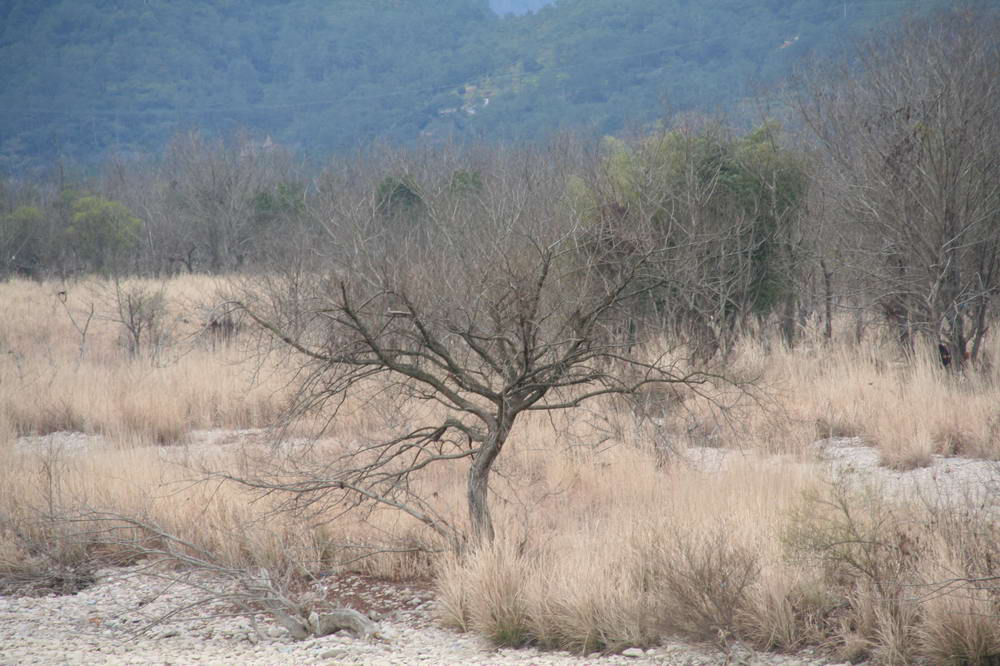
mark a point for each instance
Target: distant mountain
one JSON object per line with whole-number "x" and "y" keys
{"x": 503, "y": 7}
{"x": 81, "y": 77}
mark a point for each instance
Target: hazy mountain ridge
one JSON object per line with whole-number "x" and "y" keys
{"x": 83, "y": 77}
{"x": 503, "y": 7}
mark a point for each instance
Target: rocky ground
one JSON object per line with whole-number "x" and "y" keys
{"x": 117, "y": 621}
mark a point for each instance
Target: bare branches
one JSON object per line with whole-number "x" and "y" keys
{"x": 486, "y": 308}
{"x": 911, "y": 139}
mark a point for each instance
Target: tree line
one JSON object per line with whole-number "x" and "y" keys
{"x": 884, "y": 199}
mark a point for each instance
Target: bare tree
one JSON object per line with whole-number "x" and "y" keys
{"x": 911, "y": 133}
{"x": 212, "y": 194}
{"x": 491, "y": 304}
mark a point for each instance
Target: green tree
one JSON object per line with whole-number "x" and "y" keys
{"x": 101, "y": 230}
{"x": 283, "y": 202}
{"x": 724, "y": 206}
{"x": 22, "y": 239}
{"x": 466, "y": 182}
{"x": 399, "y": 196}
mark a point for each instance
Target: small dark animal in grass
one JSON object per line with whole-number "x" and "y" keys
{"x": 945, "y": 354}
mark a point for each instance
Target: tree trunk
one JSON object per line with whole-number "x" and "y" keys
{"x": 979, "y": 326}
{"x": 988, "y": 265}
{"x": 479, "y": 481}
{"x": 827, "y": 299}
{"x": 788, "y": 321}
{"x": 951, "y": 289}
{"x": 479, "y": 510}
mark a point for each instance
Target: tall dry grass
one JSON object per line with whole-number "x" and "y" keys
{"x": 630, "y": 551}
{"x": 66, "y": 363}
{"x": 908, "y": 406}
{"x": 611, "y": 535}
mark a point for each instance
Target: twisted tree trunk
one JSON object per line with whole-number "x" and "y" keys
{"x": 479, "y": 479}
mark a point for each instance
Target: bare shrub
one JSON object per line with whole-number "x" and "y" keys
{"x": 857, "y": 536}
{"x": 707, "y": 581}
{"x": 141, "y": 314}
{"x": 36, "y": 560}
{"x": 41, "y": 553}
{"x": 920, "y": 581}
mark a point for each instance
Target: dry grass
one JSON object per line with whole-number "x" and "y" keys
{"x": 910, "y": 409}
{"x": 609, "y": 537}
{"x": 65, "y": 365}
{"x": 53, "y": 496}
{"x": 661, "y": 549}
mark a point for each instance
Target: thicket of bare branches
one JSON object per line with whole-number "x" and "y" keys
{"x": 910, "y": 136}
{"x": 494, "y": 286}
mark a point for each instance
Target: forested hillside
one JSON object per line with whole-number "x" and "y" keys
{"x": 80, "y": 77}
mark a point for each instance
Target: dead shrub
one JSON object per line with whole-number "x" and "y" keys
{"x": 787, "y": 611}
{"x": 141, "y": 313}
{"x": 854, "y": 534}
{"x": 42, "y": 555}
{"x": 706, "y": 582}
{"x": 837, "y": 425}
{"x": 919, "y": 581}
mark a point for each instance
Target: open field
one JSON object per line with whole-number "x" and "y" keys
{"x": 707, "y": 517}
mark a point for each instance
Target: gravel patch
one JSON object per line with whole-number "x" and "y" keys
{"x": 946, "y": 481}
{"x": 109, "y": 623}
{"x": 59, "y": 442}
